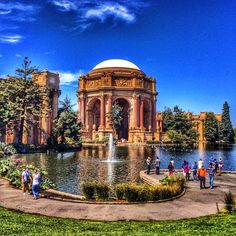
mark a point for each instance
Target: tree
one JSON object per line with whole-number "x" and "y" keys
{"x": 115, "y": 116}
{"x": 67, "y": 128}
{"x": 234, "y": 134}
{"x": 211, "y": 128}
{"x": 179, "y": 127}
{"x": 22, "y": 101}
{"x": 226, "y": 128}
{"x": 167, "y": 119}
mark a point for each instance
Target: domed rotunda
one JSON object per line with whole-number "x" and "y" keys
{"x": 123, "y": 82}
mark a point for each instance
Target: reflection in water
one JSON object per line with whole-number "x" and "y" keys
{"x": 67, "y": 170}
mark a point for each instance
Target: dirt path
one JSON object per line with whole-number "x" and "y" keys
{"x": 194, "y": 203}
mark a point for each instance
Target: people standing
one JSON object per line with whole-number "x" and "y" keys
{"x": 149, "y": 163}
{"x": 25, "y": 180}
{"x": 200, "y": 163}
{"x": 211, "y": 172}
{"x": 183, "y": 166}
{"x": 221, "y": 165}
{"x": 172, "y": 161}
{"x": 157, "y": 163}
{"x": 202, "y": 177}
{"x": 171, "y": 169}
{"x": 187, "y": 171}
{"x": 195, "y": 168}
{"x": 36, "y": 184}
{"x": 216, "y": 165}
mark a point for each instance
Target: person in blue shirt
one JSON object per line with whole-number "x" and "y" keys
{"x": 211, "y": 172}
{"x": 25, "y": 180}
{"x": 195, "y": 168}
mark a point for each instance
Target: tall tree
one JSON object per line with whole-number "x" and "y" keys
{"x": 167, "y": 115}
{"x": 211, "y": 128}
{"x": 21, "y": 100}
{"x": 67, "y": 128}
{"x": 179, "y": 126}
{"x": 226, "y": 128}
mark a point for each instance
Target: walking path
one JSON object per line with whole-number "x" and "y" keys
{"x": 194, "y": 203}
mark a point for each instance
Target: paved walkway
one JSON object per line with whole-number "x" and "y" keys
{"x": 194, "y": 203}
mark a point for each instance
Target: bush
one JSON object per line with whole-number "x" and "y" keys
{"x": 143, "y": 193}
{"x": 6, "y": 149}
{"x": 120, "y": 190}
{"x": 229, "y": 202}
{"x": 131, "y": 192}
{"x": 155, "y": 193}
{"x": 13, "y": 169}
{"x": 88, "y": 189}
{"x": 102, "y": 191}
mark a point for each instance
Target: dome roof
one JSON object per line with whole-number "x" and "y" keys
{"x": 116, "y": 63}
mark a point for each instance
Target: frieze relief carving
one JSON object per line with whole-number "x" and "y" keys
{"x": 93, "y": 83}
{"x": 123, "y": 82}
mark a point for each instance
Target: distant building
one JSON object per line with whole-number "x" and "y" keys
{"x": 40, "y": 132}
{"x": 198, "y": 120}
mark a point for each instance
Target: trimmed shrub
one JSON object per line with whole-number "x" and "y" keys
{"x": 102, "y": 191}
{"x": 132, "y": 193}
{"x": 143, "y": 193}
{"x": 155, "y": 193}
{"x": 88, "y": 189}
{"x": 120, "y": 190}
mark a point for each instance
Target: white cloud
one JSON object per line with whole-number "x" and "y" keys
{"x": 67, "y": 78}
{"x": 90, "y": 11}
{"x": 12, "y": 39}
{"x": 106, "y": 10}
{"x": 9, "y": 6}
{"x": 5, "y": 12}
{"x": 18, "y": 55}
{"x": 64, "y": 5}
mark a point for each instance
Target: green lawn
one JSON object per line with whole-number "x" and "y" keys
{"x": 16, "y": 223}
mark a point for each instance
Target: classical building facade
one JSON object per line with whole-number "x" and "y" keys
{"x": 40, "y": 132}
{"x": 123, "y": 82}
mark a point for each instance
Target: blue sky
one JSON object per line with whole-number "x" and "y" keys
{"x": 187, "y": 45}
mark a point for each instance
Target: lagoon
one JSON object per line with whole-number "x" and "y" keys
{"x": 68, "y": 170}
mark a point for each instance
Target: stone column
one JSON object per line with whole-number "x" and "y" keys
{"x": 109, "y": 107}
{"x": 135, "y": 97}
{"x": 82, "y": 110}
{"x": 141, "y": 113}
{"x": 154, "y": 114}
{"x": 102, "y": 112}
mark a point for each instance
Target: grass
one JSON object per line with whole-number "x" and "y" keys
{"x": 17, "y": 223}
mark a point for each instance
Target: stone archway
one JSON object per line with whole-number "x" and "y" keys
{"x": 124, "y": 128}
{"x": 94, "y": 114}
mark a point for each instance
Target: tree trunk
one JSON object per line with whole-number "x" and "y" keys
{"x": 21, "y": 130}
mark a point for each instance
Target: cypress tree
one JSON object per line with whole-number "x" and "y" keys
{"x": 226, "y": 128}
{"x": 211, "y": 131}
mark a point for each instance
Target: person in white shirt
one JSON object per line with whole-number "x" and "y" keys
{"x": 36, "y": 184}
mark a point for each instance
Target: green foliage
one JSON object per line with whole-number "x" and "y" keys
{"x": 178, "y": 125}
{"x": 21, "y": 101}
{"x": 102, "y": 190}
{"x": 115, "y": 116}
{"x": 234, "y": 134}
{"x": 12, "y": 169}
{"x": 21, "y": 224}
{"x": 170, "y": 180}
{"x": 88, "y": 189}
{"x": 67, "y": 128}
{"x": 120, "y": 190}
{"x": 229, "y": 202}
{"x": 226, "y": 129}
{"x": 6, "y": 149}
{"x": 211, "y": 128}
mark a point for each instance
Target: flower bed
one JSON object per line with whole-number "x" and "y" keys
{"x": 12, "y": 170}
